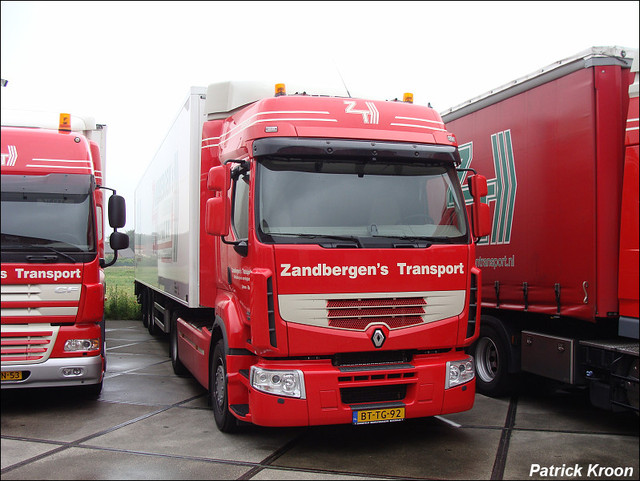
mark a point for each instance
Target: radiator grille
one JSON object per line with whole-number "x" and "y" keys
{"x": 356, "y": 311}
{"x": 20, "y": 345}
{"x": 359, "y": 313}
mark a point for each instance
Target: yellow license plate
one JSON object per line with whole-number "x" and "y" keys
{"x": 11, "y": 376}
{"x": 370, "y": 416}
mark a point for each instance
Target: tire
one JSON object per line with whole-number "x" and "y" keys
{"x": 178, "y": 368}
{"x": 92, "y": 391}
{"x": 218, "y": 395}
{"x": 491, "y": 356}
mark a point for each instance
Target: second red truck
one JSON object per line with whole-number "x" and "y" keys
{"x": 311, "y": 257}
{"x": 560, "y": 267}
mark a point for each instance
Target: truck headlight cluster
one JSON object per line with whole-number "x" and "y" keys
{"x": 289, "y": 383}
{"x": 459, "y": 372}
{"x": 76, "y": 345}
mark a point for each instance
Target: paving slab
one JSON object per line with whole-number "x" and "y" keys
{"x": 54, "y": 416}
{"x": 486, "y": 412}
{"x": 123, "y": 362}
{"x": 82, "y": 463}
{"x": 151, "y": 390}
{"x": 528, "y": 449}
{"x": 295, "y": 474}
{"x": 193, "y": 432}
{"x": 424, "y": 448}
{"x": 570, "y": 411}
{"x": 149, "y": 346}
{"x": 16, "y": 451}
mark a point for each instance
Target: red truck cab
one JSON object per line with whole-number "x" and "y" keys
{"x": 53, "y": 252}
{"x": 331, "y": 280}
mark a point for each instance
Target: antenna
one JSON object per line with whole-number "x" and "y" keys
{"x": 343, "y": 82}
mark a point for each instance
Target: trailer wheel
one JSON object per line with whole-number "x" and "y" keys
{"x": 177, "y": 365}
{"x": 218, "y": 385}
{"x": 490, "y": 353}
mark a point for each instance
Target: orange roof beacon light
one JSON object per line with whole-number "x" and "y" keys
{"x": 65, "y": 123}
{"x": 407, "y": 97}
{"x": 280, "y": 90}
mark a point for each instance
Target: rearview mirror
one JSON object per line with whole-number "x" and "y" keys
{"x": 218, "y": 208}
{"x": 218, "y": 179}
{"x": 117, "y": 211}
{"x": 481, "y": 222}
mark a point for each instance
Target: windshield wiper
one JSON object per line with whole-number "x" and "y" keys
{"x": 322, "y": 236}
{"x": 406, "y": 241}
{"x": 36, "y": 247}
{"x": 60, "y": 253}
{"x": 419, "y": 241}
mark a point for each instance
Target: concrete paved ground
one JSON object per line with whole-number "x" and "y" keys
{"x": 151, "y": 424}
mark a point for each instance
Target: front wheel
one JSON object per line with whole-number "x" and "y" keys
{"x": 91, "y": 391}
{"x": 218, "y": 395}
{"x": 491, "y": 356}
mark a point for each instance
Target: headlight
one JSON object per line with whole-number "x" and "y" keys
{"x": 459, "y": 372}
{"x": 278, "y": 382}
{"x": 75, "y": 345}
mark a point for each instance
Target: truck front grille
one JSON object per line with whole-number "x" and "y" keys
{"x": 27, "y": 344}
{"x": 357, "y": 311}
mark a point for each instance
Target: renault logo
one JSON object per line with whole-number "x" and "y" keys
{"x": 378, "y": 338}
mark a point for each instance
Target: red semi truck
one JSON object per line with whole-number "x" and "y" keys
{"x": 310, "y": 257}
{"x": 560, "y": 268}
{"x": 53, "y": 250}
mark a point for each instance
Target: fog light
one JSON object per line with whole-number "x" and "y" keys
{"x": 280, "y": 383}
{"x": 459, "y": 372}
{"x": 72, "y": 371}
{"x": 75, "y": 345}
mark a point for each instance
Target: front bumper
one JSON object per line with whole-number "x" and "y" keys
{"x": 333, "y": 393}
{"x": 51, "y": 373}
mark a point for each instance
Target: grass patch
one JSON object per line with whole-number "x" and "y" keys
{"x": 121, "y": 301}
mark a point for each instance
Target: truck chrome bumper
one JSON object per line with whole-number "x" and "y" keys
{"x": 56, "y": 372}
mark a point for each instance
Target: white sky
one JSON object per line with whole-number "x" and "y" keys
{"x": 130, "y": 64}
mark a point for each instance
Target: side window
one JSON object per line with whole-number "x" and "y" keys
{"x": 240, "y": 214}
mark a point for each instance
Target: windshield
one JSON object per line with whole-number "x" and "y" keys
{"x": 47, "y": 214}
{"x": 365, "y": 203}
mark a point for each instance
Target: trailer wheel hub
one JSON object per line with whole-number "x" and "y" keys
{"x": 487, "y": 359}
